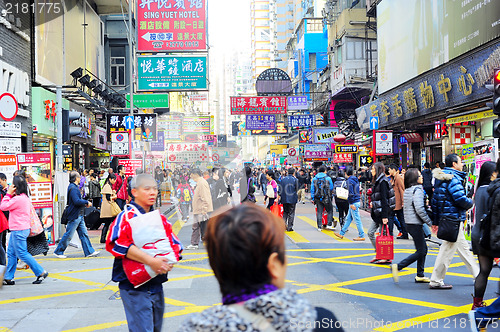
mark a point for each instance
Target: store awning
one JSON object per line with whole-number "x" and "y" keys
{"x": 471, "y": 117}
{"x": 413, "y": 137}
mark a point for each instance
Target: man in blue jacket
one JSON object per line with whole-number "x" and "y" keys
{"x": 354, "y": 200}
{"x": 321, "y": 195}
{"x": 75, "y": 220}
{"x": 289, "y": 198}
{"x": 449, "y": 201}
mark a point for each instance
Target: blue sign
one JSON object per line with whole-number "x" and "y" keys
{"x": 302, "y": 120}
{"x": 159, "y": 145}
{"x": 129, "y": 122}
{"x": 260, "y": 122}
{"x": 297, "y": 103}
{"x": 274, "y": 154}
{"x": 373, "y": 122}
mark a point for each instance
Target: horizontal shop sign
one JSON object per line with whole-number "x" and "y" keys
{"x": 149, "y": 100}
{"x": 346, "y": 148}
{"x": 471, "y": 117}
{"x": 10, "y": 129}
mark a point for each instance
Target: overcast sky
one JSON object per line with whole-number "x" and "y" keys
{"x": 229, "y": 24}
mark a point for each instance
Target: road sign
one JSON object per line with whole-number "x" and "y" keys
{"x": 10, "y": 129}
{"x": 292, "y": 152}
{"x": 8, "y": 106}
{"x": 383, "y": 143}
{"x": 373, "y": 122}
{"x": 274, "y": 154}
{"x": 129, "y": 122}
{"x": 119, "y": 144}
{"x": 350, "y": 148}
{"x": 215, "y": 157}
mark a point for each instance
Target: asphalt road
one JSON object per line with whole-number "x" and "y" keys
{"x": 332, "y": 273}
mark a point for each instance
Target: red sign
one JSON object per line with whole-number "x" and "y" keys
{"x": 342, "y": 158}
{"x": 38, "y": 167}
{"x": 50, "y": 110}
{"x": 130, "y": 165}
{"x": 171, "y": 25}
{"x": 258, "y": 105}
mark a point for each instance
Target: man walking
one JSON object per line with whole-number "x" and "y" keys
{"x": 144, "y": 305}
{"x": 202, "y": 205}
{"x": 263, "y": 181}
{"x": 302, "y": 186}
{"x": 451, "y": 202}
{"x": 427, "y": 177}
{"x": 354, "y": 200}
{"x": 76, "y": 222}
{"x": 321, "y": 195}
{"x": 399, "y": 190}
{"x": 289, "y": 198}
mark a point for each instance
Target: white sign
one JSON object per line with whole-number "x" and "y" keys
{"x": 383, "y": 143}
{"x": 119, "y": 144}
{"x": 10, "y": 129}
{"x": 136, "y": 145}
{"x": 188, "y": 152}
{"x": 10, "y": 145}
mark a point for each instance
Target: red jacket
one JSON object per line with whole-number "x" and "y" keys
{"x": 118, "y": 184}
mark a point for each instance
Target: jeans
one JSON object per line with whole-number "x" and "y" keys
{"x": 372, "y": 230}
{"x": 357, "y": 219}
{"x": 143, "y": 309}
{"x": 288, "y": 215}
{"x": 417, "y": 233}
{"x": 17, "y": 249}
{"x": 491, "y": 311}
{"x": 185, "y": 210}
{"x": 121, "y": 203}
{"x": 320, "y": 206}
{"x": 264, "y": 187}
{"x": 427, "y": 230}
{"x": 401, "y": 225}
{"x": 79, "y": 225}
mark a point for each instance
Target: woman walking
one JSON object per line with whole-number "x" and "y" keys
{"x": 415, "y": 216}
{"x": 108, "y": 198}
{"x": 383, "y": 201}
{"x": 486, "y": 186}
{"x": 341, "y": 203}
{"x": 271, "y": 189}
{"x": 17, "y": 202}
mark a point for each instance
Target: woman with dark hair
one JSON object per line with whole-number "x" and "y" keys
{"x": 108, "y": 198}
{"x": 487, "y": 179}
{"x": 247, "y": 189}
{"x": 342, "y": 204}
{"x": 221, "y": 197}
{"x": 17, "y": 202}
{"x": 383, "y": 201}
{"x": 415, "y": 216}
{"x": 271, "y": 189}
{"x": 246, "y": 250}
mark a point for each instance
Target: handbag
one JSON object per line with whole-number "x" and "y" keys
{"x": 384, "y": 245}
{"x": 37, "y": 245}
{"x": 342, "y": 193}
{"x": 4, "y": 223}
{"x": 270, "y": 191}
{"x": 448, "y": 228}
{"x": 203, "y": 226}
{"x": 64, "y": 216}
{"x": 35, "y": 223}
{"x": 115, "y": 209}
{"x": 277, "y": 209}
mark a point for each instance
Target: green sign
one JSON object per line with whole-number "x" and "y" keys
{"x": 43, "y": 103}
{"x": 172, "y": 73}
{"x": 149, "y": 100}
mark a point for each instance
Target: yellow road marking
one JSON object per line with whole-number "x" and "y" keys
{"x": 48, "y": 296}
{"x": 83, "y": 281}
{"x": 326, "y": 232}
{"x": 191, "y": 277}
{"x": 176, "y": 228}
{"x": 193, "y": 268}
{"x": 296, "y": 237}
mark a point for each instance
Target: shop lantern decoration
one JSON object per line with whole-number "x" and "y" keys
{"x": 339, "y": 138}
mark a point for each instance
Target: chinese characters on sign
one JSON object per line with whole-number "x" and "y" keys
{"x": 144, "y": 124}
{"x": 346, "y": 149}
{"x": 188, "y": 152}
{"x": 342, "y": 158}
{"x": 260, "y": 122}
{"x": 258, "y": 105}
{"x": 308, "y": 120}
{"x": 318, "y": 154}
{"x": 50, "y": 110}
{"x": 171, "y": 25}
{"x": 383, "y": 143}
{"x": 297, "y": 103}
{"x": 172, "y": 73}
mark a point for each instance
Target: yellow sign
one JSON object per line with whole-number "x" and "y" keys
{"x": 471, "y": 117}
{"x": 277, "y": 149}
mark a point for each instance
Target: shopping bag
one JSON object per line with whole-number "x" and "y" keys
{"x": 115, "y": 209}
{"x": 277, "y": 209}
{"x": 384, "y": 245}
{"x": 149, "y": 235}
{"x": 324, "y": 218}
{"x": 35, "y": 223}
{"x": 4, "y": 223}
{"x": 341, "y": 192}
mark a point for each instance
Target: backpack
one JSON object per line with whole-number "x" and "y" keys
{"x": 322, "y": 190}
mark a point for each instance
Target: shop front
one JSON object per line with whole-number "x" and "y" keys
{"x": 83, "y": 144}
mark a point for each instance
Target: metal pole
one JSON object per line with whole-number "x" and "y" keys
{"x": 131, "y": 74}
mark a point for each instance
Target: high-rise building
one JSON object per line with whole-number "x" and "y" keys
{"x": 261, "y": 36}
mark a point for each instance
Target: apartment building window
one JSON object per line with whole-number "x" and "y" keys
{"x": 117, "y": 66}
{"x": 314, "y": 26}
{"x": 355, "y": 50}
{"x": 312, "y": 61}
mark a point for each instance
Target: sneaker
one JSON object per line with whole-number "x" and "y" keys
{"x": 422, "y": 280}
{"x": 41, "y": 278}
{"x": 94, "y": 254}
{"x": 2, "y": 272}
{"x": 191, "y": 247}
{"x": 443, "y": 286}
{"x": 8, "y": 282}
{"x": 395, "y": 273}
{"x": 400, "y": 234}
{"x": 403, "y": 237}
{"x": 60, "y": 256}
{"x": 303, "y": 202}
{"x": 319, "y": 229}
{"x": 22, "y": 266}
{"x": 358, "y": 239}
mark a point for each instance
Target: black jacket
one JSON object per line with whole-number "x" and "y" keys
{"x": 427, "y": 177}
{"x": 383, "y": 199}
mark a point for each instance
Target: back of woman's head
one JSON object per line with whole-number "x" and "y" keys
{"x": 487, "y": 170}
{"x": 341, "y": 173}
{"x": 21, "y": 185}
{"x": 411, "y": 177}
{"x": 247, "y": 171}
{"x": 379, "y": 169}
{"x": 239, "y": 243}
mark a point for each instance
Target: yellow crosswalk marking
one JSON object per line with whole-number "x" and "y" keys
{"x": 296, "y": 237}
{"x": 326, "y": 232}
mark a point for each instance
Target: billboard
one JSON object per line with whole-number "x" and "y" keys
{"x": 260, "y": 122}
{"x": 258, "y": 105}
{"x": 172, "y": 73}
{"x": 144, "y": 126}
{"x": 324, "y": 135}
{"x": 436, "y": 32}
{"x": 196, "y": 125}
{"x": 171, "y": 126}
{"x": 171, "y": 25}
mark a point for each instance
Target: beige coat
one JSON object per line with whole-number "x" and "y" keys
{"x": 202, "y": 198}
{"x": 399, "y": 190}
{"x": 106, "y": 205}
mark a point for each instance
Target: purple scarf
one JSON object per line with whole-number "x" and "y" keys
{"x": 245, "y": 296}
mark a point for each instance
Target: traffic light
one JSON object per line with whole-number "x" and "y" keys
{"x": 67, "y": 129}
{"x": 495, "y": 105}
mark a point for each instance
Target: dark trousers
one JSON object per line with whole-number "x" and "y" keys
{"x": 417, "y": 233}
{"x": 429, "y": 192}
{"x": 270, "y": 203}
{"x": 96, "y": 202}
{"x": 400, "y": 223}
{"x": 343, "y": 207}
{"x": 104, "y": 232}
{"x": 319, "y": 214}
{"x": 289, "y": 215}
{"x": 121, "y": 203}
{"x": 143, "y": 309}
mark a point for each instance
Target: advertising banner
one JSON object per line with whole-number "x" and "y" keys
{"x": 196, "y": 125}
{"x": 342, "y": 158}
{"x": 172, "y": 73}
{"x": 8, "y": 165}
{"x": 347, "y": 148}
{"x": 187, "y": 152}
{"x": 171, "y": 127}
{"x": 260, "y": 122}
{"x": 171, "y": 25}
{"x": 277, "y": 149}
{"x": 100, "y": 138}
{"x": 240, "y": 126}
{"x": 130, "y": 165}
{"x": 305, "y": 136}
{"x": 10, "y": 145}
{"x": 297, "y": 103}
{"x": 308, "y": 120}
{"x": 144, "y": 126}
{"x": 325, "y": 135}
{"x": 149, "y": 100}
{"x": 318, "y": 154}
{"x": 159, "y": 145}
{"x": 258, "y": 105}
